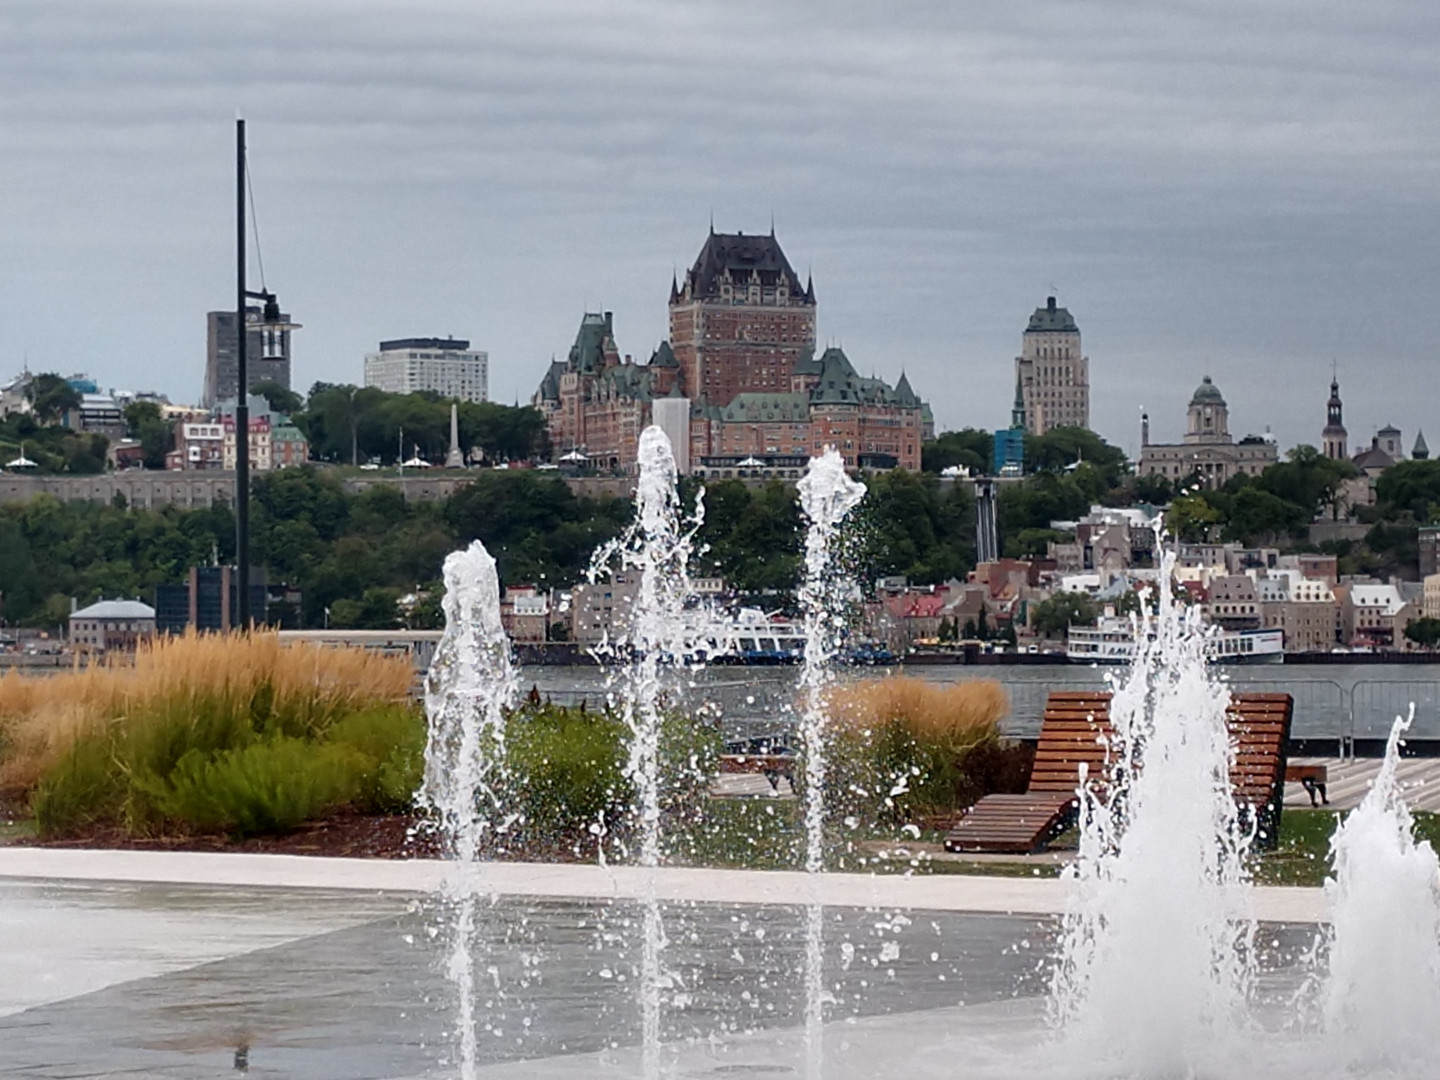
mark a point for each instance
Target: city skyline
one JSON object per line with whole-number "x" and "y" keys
{"x": 1255, "y": 207}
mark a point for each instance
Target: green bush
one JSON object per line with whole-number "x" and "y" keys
{"x": 565, "y": 770}
{"x": 263, "y": 788}
{"x": 392, "y": 740}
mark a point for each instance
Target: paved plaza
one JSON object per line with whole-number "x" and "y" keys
{"x": 144, "y": 964}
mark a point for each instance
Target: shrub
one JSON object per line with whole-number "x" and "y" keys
{"x": 392, "y": 741}
{"x": 261, "y": 788}
{"x": 565, "y": 770}
{"x": 126, "y": 746}
{"x": 903, "y": 748}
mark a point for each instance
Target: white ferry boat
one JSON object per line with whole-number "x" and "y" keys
{"x": 1113, "y": 642}
{"x": 752, "y": 637}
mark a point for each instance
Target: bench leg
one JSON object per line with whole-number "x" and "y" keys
{"x": 1310, "y": 788}
{"x": 1323, "y": 797}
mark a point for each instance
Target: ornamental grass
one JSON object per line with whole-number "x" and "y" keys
{"x": 138, "y": 745}
{"x": 904, "y": 748}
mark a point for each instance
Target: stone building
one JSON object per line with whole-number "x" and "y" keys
{"x": 1333, "y": 439}
{"x": 1053, "y": 371}
{"x": 111, "y": 626}
{"x": 1208, "y": 453}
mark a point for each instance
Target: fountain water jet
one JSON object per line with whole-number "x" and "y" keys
{"x": 657, "y": 546}
{"x": 827, "y": 494}
{"x": 470, "y": 683}
{"x": 1383, "y": 988}
{"x": 1154, "y": 972}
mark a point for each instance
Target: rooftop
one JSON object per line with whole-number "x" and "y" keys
{"x": 1051, "y": 319}
{"x": 741, "y": 256}
{"x": 115, "y": 609}
{"x": 455, "y": 344}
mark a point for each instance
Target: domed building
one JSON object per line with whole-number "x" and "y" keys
{"x": 1208, "y": 452}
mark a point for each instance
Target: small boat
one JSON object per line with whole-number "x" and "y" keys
{"x": 1113, "y": 642}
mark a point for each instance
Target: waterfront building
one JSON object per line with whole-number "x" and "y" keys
{"x": 111, "y": 626}
{"x": 1208, "y": 454}
{"x": 444, "y": 366}
{"x": 1053, "y": 371}
{"x": 268, "y": 356}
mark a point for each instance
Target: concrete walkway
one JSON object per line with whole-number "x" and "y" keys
{"x": 1350, "y": 780}
{"x": 1000, "y": 895}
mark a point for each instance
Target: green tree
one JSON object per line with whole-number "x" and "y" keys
{"x": 51, "y": 397}
{"x": 281, "y": 399}
{"x": 969, "y": 447}
{"x": 1065, "y": 448}
{"x": 1055, "y": 616}
{"x": 144, "y": 421}
{"x": 1424, "y": 632}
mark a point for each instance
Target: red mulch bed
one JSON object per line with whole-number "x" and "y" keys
{"x": 346, "y": 834}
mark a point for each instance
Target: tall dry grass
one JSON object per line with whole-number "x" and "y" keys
{"x": 904, "y": 747}
{"x": 42, "y": 719}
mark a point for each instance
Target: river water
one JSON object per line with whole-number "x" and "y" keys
{"x": 1332, "y": 701}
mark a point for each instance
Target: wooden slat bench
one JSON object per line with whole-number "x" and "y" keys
{"x": 1076, "y": 729}
{"x": 772, "y": 766}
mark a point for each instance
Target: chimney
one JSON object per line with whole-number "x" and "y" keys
{"x": 1050, "y": 304}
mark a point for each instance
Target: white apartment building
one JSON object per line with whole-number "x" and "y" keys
{"x": 446, "y": 366}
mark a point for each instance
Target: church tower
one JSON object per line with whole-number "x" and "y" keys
{"x": 1332, "y": 439}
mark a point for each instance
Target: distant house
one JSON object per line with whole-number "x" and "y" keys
{"x": 111, "y": 626}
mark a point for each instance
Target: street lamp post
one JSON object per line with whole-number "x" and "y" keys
{"x": 270, "y": 314}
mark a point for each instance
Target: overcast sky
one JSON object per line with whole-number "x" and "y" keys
{"x": 1238, "y": 188}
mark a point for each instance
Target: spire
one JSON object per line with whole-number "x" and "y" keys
{"x": 1017, "y": 410}
{"x": 674, "y": 287}
{"x": 1421, "y": 451}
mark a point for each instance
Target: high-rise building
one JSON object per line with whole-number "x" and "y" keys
{"x": 445, "y": 366}
{"x": 268, "y": 356}
{"x": 1053, "y": 372}
{"x": 741, "y": 322}
{"x": 1333, "y": 438}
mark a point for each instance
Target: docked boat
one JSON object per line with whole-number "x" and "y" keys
{"x": 753, "y": 637}
{"x": 1113, "y": 642}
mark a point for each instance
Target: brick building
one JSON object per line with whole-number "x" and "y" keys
{"x": 739, "y": 376}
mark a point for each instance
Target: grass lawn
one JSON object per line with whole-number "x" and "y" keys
{"x": 1303, "y": 855}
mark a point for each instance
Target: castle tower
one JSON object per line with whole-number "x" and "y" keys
{"x": 740, "y": 320}
{"x": 1333, "y": 438}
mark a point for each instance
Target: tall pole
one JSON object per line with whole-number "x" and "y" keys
{"x": 242, "y": 389}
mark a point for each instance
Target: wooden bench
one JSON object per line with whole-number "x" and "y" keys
{"x": 772, "y": 766}
{"x": 1313, "y": 778}
{"x": 1076, "y": 730}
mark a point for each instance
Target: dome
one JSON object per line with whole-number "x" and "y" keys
{"x": 1207, "y": 393}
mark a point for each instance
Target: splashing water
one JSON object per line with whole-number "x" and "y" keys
{"x": 469, "y": 685}
{"x": 1383, "y": 990}
{"x": 827, "y": 494}
{"x": 1154, "y": 965}
{"x": 657, "y": 546}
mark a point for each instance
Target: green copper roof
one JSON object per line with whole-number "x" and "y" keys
{"x": 758, "y": 408}
{"x": 1049, "y": 319}
{"x": 838, "y": 385}
{"x": 1207, "y": 393}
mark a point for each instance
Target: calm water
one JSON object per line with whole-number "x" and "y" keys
{"x": 1331, "y": 701}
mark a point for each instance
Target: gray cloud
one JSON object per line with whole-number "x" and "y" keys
{"x": 1239, "y": 189}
